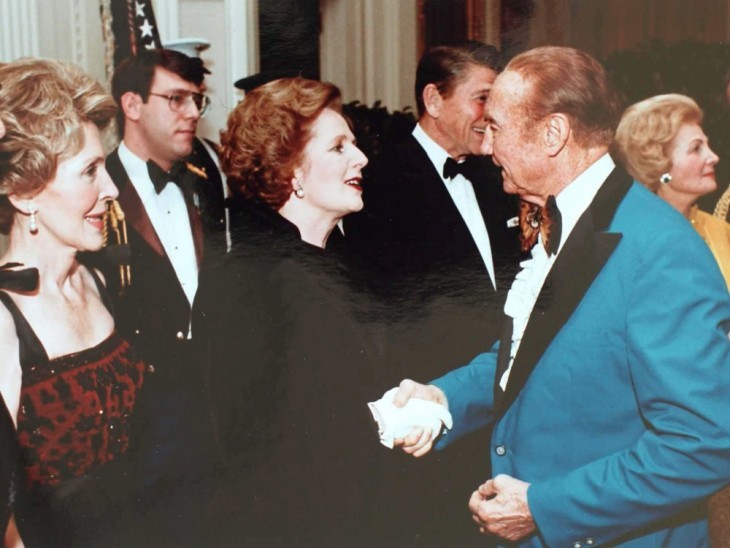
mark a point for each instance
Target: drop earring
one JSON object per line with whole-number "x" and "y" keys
{"x": 299, "y": 192}
{"x": 665, "y": 179}
{"x": 33, "y": 220}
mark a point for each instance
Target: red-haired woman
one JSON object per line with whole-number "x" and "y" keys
{"x": 292, "y": 363}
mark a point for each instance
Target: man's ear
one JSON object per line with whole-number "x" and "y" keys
{"x": 432, "y": 100}
{"x": 131, "y": 105}
{"x": 556, "y": 132}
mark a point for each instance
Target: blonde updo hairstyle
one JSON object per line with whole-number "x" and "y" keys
{"x": 266, "y": 134}
{"x": 43, "y": 107}
{"x": 646, "y": 132}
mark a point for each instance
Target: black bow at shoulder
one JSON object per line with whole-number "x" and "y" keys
{"x": 18, "y": 280}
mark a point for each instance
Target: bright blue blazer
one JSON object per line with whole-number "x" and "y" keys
{"x": 617, "y": 410}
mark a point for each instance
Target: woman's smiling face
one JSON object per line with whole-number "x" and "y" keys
{"x": 72, "y": 205}
{"x": 331, "y": 171}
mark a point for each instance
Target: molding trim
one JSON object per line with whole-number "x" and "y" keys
{"x": 18, "y": 29}
{"x": 242, "y": 38}
{"x": 79, "y": 46}
{"x": 167, "y": 15}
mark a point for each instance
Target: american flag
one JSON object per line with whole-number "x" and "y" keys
{"x": 134, "y": 27}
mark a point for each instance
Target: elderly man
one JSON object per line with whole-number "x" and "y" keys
{"x": 608, "y": 395}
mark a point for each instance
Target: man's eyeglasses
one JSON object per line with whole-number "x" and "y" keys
{"x": 180, "y": 100}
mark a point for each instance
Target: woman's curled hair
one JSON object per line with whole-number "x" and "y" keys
{"x": 266, "y": 134}
{"x": 646, "y": 132}
{"x": 44, "y": 105}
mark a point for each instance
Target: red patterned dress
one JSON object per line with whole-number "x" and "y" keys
{"x": 73, "y": 430}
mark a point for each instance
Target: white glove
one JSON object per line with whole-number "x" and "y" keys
{"x": 397, "y": 422}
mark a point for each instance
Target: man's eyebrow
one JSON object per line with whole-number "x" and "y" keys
{"x": 485, "y": 89}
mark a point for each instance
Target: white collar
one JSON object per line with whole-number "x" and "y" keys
{"x": 435, "y": 153}
{"x": 575, "y": 198}
{"x": 136, "y": 169}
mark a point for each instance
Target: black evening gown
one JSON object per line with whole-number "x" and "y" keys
{"x": 292, "y": 367}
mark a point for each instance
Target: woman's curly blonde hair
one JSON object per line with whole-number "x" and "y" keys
{"x": 43, "y": 107}
{"x": 644, "y": 137}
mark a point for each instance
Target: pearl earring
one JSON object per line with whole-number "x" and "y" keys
{"x": 665, "y": 179}
{"x": 33, "y": 220}
{"x": 299, "y": 192}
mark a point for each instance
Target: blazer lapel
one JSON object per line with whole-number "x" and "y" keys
{"x": 583, "y": 256}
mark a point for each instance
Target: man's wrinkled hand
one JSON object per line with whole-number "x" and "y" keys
{"x": 500, "y": 508}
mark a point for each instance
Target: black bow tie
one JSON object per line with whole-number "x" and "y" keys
{"x": 160, "y": 177}
{"x": 18, "y": 280}
{"x": 536, "y": 220}
{"x": 452, "y": 168}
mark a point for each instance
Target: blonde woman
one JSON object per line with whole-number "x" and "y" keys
{"x": 67, "y": 375}
{"x": 661, "y": 143}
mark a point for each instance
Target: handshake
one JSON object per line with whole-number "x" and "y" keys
{"x": 412, "y": 416}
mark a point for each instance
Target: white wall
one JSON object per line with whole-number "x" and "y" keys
{"x": 71, "y": 30}
{"x": 230, "y": 27}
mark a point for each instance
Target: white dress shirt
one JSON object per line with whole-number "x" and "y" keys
{"x": 522, "y": 296}
{"x": 462, "y": 192}
{"x": 169, "y": 216}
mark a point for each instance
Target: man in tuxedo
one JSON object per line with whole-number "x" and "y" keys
{"x": 436, "y": 220}
{"x": 165, "y": 199}
{"x": 436, "y": 226}
{"x": 608, "y": 392}
{"x": 205, "y": 157}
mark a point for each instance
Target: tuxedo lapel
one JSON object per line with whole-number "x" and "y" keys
{"x": 132, "y": 206}
{"x": 439, "y": 220}
{"x": 137, "y": 217}
{"x": 425, "y": 182}
{"x": 196, "y": 227}
{"x": 582, "y": 258}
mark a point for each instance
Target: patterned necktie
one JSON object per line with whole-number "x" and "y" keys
{"x": 536, "y": 220}
{"x": 160, "y": 177}
{"x": 452, "y": 168}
